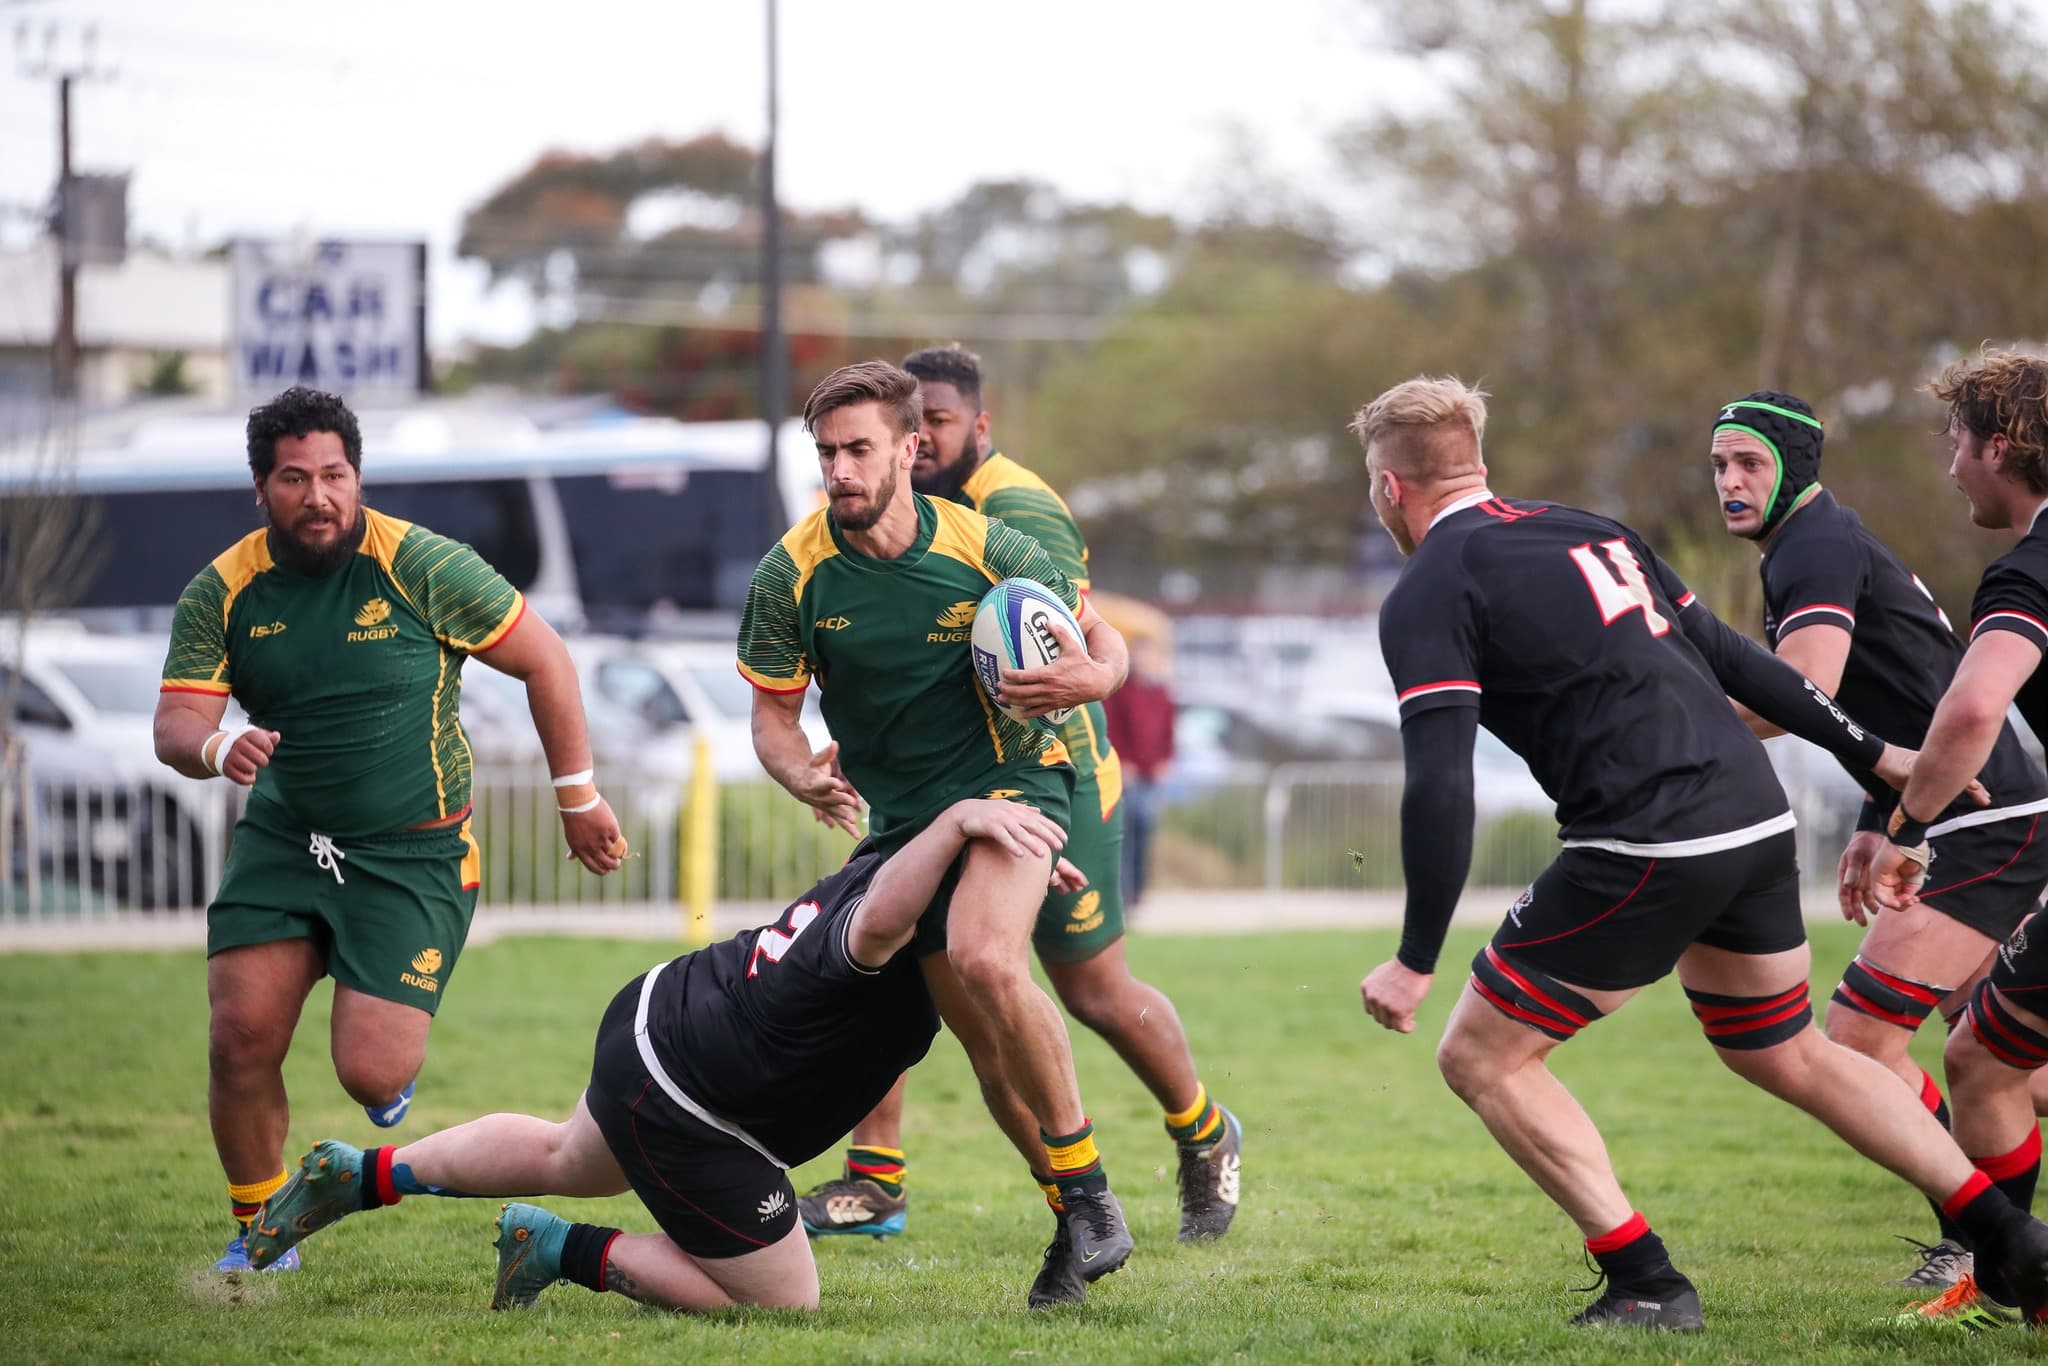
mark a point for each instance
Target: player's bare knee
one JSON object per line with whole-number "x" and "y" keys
{"x": 374, "y": 1080}
{"x": 1469, "y": 1067}
{"x": 1871, "y": 1037}
{"x": 240, "y": 1040}
{"x": 989, "y": 972}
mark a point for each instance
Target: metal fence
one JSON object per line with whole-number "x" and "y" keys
{"x": 100, "y": 849}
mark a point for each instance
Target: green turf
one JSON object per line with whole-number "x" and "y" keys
{"x": 1379, "y": 1222}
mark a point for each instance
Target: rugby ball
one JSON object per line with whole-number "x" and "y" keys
{"x": 1013, "y": 630}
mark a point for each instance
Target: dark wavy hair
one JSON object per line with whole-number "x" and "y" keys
{"x": 954, "y": 365}
{"x": 2002, "y": 393}
{"x": 299, "y": 412}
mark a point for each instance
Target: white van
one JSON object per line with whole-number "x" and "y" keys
{"x": 606, "y": 520}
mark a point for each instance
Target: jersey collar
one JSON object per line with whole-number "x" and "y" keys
{"x": 1470, "y": 500}
{"x": 2035, "y": 520}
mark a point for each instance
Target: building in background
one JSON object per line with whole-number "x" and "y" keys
{"x": 155, "y": 324}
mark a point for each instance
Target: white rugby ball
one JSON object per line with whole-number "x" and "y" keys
{"x": 1013, "y": 630}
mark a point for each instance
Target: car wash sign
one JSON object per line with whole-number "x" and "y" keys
{"x": 347, "y": 317}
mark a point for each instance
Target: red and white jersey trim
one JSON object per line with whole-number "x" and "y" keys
{"x": 1990, "y": 617}
{"x": 1430, "y": 689}
{"x": 1826, "y": 607}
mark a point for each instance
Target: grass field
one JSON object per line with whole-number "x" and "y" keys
{"x": 1378, "y": 1221}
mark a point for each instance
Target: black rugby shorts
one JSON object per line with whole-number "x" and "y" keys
{"x": 1613, "y": 922}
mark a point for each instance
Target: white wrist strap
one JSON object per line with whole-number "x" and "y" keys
{"x": 572, "y": 779}
{"x": 214, "y": 757}
{"x": 590, "y": 805}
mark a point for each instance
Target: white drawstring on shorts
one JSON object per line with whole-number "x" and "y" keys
{"x": 326, "y": 855}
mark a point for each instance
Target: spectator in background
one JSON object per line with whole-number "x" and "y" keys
{"x": 1141, "y": 730}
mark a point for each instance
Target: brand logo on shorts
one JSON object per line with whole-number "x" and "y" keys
{"x": 772, "y": 1206}
{"x": 2012, "y": 948}
{"x": 1522, "y": 904}
{"x": 1087, "y": 913}
{"x": 425, "y": 964}
{"x": 834, "y": 623}
{"x": 276, "y": 628}
{"x": 373, "y": 612}
{"x": 958, "y": 615}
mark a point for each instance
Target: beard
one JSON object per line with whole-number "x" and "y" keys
{"x": 314, "y": 562}
{"x": 944, "y": 481}
{"x": 872, "y": 511}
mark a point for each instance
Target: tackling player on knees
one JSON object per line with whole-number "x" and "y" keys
{"x": 1998, "y": 441}
{"x": 1843, "y": 610}
{"x": 1579, "y": 648}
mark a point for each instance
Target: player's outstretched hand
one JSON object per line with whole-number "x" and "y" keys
{"x": 1392, "y": 992}
{"x": 1074, "y": 678}
{"x": 1025, "y": 831}
{"x": 594, "y": 838}
{"x": 250, "y": 751}
{"x": 1854, "y": 875}
{"x": 1895, "y": 876}
{"x": 1067, "y": 878}
{"x": 1895, "y": 766}
{"x": 824, "y": 788}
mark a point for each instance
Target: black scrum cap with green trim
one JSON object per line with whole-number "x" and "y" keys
{"x": 1786, "y": 425}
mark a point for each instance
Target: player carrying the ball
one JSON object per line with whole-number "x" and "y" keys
{"x": 1578, "y": 647}
{"x": 342, "y": 633}
{"x": 1078, "y": 934}
{"x": 874, "y": 597}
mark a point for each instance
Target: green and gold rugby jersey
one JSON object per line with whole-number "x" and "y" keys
{"x": 1003, "y": 489}
{"x": 887, "y": 641}
{"x": 359, "y": 672}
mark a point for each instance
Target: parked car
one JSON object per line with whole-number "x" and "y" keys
{"x": 102, "y": 812}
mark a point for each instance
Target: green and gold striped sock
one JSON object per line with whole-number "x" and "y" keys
{"x": 883, "y": 1166}
{"x": 1073, "y": 1156}
{"x": 1199, "y": 1125}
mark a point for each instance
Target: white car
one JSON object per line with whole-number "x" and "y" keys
{"x": 104, "y": 815}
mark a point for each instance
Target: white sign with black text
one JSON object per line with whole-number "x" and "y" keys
{"x": 347, "y": 317}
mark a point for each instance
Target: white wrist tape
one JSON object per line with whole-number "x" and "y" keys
{"x": 572, "y": 779}
{"x": 590, "y": 805}
{"x": 217, "y": 755}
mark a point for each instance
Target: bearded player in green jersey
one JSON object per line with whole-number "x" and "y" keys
{"x": 874, "y": 596}
{"x": 1079, "y": 934}
{"x": 342, "y": 632}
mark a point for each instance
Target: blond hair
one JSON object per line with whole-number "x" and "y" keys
{"x": 1423, "y": 425}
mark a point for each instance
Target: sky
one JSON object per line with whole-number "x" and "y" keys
{"x": 389, "y": 118}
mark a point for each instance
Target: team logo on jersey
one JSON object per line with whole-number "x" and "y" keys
{"x": 425, "y": 964}
{"x": 834, "y": 623}
{"x": 958, "y": 615}
{"x": 374, "y": 615}
{"x": 772, "y": 1206}
{"x": 1087, "y": 913}
{"x": 276, "y": 628}
{"x": 1002, "y": 794}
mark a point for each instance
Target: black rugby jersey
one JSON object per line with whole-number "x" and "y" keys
{"x": 1825, "y": 567}
{"x": 1563, "y": 628}
{"x": 2013, "y": 596}
{"x": 780, "y": 1034}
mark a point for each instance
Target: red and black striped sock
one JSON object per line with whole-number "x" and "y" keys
{"x": 584, "y": 1250}
{"x": 1635, "y": 1260}
{"x": 1985, "y": 1214}
{"x": 2016, "y": 1173}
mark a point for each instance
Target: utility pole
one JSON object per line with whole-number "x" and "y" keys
{"x": 64, "y": 340}
{"x": 774, "y": 360}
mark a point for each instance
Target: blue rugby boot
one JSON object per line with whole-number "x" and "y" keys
{"x": 529, "y": 1247}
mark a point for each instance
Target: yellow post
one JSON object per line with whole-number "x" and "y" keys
{"x": 697, "y": 851}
